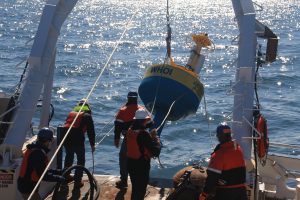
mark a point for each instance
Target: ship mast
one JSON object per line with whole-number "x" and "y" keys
{"x": 39, "y": 76}
{"x": 244, "y": 79}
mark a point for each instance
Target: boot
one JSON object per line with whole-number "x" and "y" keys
{"x": 78, "y": 184}
{"x": 121, "y": 184}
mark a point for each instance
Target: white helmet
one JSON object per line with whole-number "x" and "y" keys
{"x": 141, "y": 114}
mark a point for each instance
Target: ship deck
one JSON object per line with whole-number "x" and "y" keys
{"x": 157, "y": 189}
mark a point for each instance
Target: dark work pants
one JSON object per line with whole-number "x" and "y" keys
{"x": 231, "y": 193}
{"x": 80, "y": 154}
{"x": 139, "y": 176}
{"x": 123, "y": 161}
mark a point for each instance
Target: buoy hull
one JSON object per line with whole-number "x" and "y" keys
{"x": 164, "y": 84}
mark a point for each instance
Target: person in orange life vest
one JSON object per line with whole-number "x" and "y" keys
{"x": 141, "y": 147}
{"x": 34, "y": 163}
{"x": 74, "y": 143}
{"x": 124, "y": 119}
{"x": 226, "y": 171}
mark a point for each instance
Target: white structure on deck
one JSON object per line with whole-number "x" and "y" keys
{"x": 279, "y": 169}
{"x": 38, "y": 83}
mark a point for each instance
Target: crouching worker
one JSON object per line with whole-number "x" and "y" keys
{"x": 226, "y": 171}
{"x": 141, "y": 147}
{"x": 34, "y": 163}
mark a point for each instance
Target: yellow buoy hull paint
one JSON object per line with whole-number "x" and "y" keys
{"x": 178, "y": 74}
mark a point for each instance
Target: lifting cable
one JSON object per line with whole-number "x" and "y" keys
{"x": 169, "y": 32}
{"x": 168, "y": 53}
{"x": 87, "y": 97}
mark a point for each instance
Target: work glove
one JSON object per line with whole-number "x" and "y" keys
{"x": 203, "y": 196}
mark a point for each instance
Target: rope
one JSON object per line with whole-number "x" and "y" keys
{"x": 87, "y": 97}
{"x": 208, "y": 123}
{"x": 166, "y": 115}
{"x": 158, "y": 159}
{"x": 108, "y": 123}
{"x": 104, "y": 136}
{"x": 21, "y": 78}
{"x": 9, "y": 110}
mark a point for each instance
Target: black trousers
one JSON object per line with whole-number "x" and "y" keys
{"x": 123, "y": 161}
{"x": 139, "y": 176}
{"x": 231, "y": 193}
{"x": 69, "y": 159}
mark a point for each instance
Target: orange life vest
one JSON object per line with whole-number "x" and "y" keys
{"x": 23, "y": 170}
{"x": 71, "y": 118}
{"x": 263, "y": 142}
{"x": 134, "y": 151}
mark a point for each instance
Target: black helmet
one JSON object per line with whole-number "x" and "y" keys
{"x": 45, "y": 134}
{"x": 80, "y": 102}
{"x": 223, "y": 133}
{"x": 132, "y": 95}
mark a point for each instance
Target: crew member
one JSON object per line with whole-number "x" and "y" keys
{"x": 124, "y": 119}
{"x": 34, "y": 163}
{"x": 226, "y": 170}
{"x": 141, "y": 147}
{"x": 74, "y": 143}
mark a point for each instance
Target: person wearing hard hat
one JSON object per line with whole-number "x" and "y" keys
{"x": 34, "y": 163}
{"x": 74, "y": 143}
{"x": 141, "y": 147}
{"x": 124, "y": 119}
{"x": 226, "y": 171}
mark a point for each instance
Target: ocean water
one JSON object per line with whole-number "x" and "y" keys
{"x": 90, "y": 33}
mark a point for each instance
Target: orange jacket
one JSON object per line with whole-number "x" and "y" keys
{"x": 226, "y": 168}
{"x": 27, "y": 170}
{"x": 127, "y": 112}
{"x": 84, "y": 123}
{"x": 77, "y": 123}
{"x": 124, "y": 119}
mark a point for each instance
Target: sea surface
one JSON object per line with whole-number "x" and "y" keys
{"x": 90, "y": 34}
